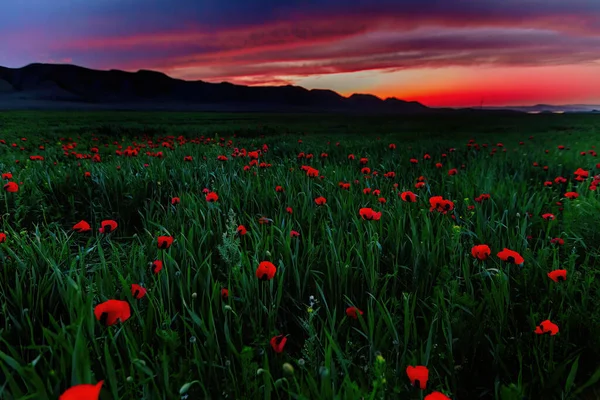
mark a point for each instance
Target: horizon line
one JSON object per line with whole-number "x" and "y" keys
{"x": 474, "y": 106}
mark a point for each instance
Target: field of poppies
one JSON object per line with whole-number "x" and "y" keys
{"x": 211, "y": 256}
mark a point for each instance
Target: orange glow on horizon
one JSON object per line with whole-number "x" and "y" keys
{"x": 497, "y": 86}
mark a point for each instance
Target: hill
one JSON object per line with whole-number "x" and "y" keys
{"x": 42, "y": 86}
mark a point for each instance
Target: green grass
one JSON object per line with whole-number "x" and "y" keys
{"x": 426, "y": 300}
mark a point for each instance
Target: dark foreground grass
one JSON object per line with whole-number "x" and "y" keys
{"x": 425, "y": 300}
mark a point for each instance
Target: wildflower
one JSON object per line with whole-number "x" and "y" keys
{"x": 82, "y": 226}
{"x": 112, "y": 311}
{"x": 320, "y": 200}
{"x": 440, "y": 204}
{"x": 558, "y": 275}
{"x": 82, "y": 392}
{"x": 266, "y": 271}
{"x": 511, "y": 256}
{"x": 137, "y": 291}
{"x": 571, "y": 195}
{"x": 353, "y": 312}
{"x": 278, "y": 343}
{"x": 157, "y": 265}
{"x": 409, "y": 197}
{"x": 164, "y": 242}
{"x": 436, "y": 396}
{"x": 546, "y": 327}
{"x": 418, "y": 374}
{"x": 241, "y": 230}
{"x": 212, "y": 197}
{"x": 369, "y": 214}
{"x": 108, "y": 226}
{"x": 11, "y": 187}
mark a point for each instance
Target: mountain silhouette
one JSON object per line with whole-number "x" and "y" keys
{"x": 71, "y": 86}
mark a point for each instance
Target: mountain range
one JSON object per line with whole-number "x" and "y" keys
{"x": 70, "y": 86}
{"x": 64, "y": 86}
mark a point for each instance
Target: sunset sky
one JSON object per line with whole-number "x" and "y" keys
{"x": 438, "y": 52}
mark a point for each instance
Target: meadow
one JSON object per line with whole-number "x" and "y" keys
{"x": 250, "y": 256}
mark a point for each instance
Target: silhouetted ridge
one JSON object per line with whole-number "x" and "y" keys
{"x": 63, "y": 82}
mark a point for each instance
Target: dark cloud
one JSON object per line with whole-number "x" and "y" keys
{"x": 250, "y": 41}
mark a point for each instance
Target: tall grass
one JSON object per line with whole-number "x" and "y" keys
{"x": 425, "y": 299}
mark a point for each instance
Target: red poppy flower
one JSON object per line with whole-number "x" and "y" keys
{"x": 453, "y": 171}
{"x": 279, "y": 189}
{"x": 212, "y": 197}
{"x": 82, "y": 226}
{"x": 137, "y": 291}
{"x": 294, "y": 234}
{"x": 224, "y": 294}
{"x": 548, "y": 216}
{"x": 511, "y": 256}
{"x": 557, "y": 241}
{"x": 312, "y": 172}
{"x": 409, "y": 197}
{"x": 392, "y": 146}
{"x": 558, "y": 275}
{"x": 11, "y": 187}
{"x": 82, "y": 392}
{"x": 560, "y": 179}
{"x": 266, "y": 271}
{"x": 2, "y": 237}
{"x": 419, "y": 185}
{"x": 581, "y": 174}
{"x": 108, "y": 226}
{"x": 436, "y": 396}
{"x": 87, "y": 174}
{"x": 481, "y": 251}
{"x": 546, "y": 327}
{"x": 320, "y": 200}
{"x": 241, "y": 230}
{"x": 278, "y": 343}
{"x": 175, "y": 200}
{"x": 111, "y": 311}
{"x": 571, "y": 195}
{"x": 369, "y": 214}
{"x": 164, "y": 242}
{"x": 418, "y": 374}
{"x": 363, "y": 161}
{"x": 482, "y": 197}
{"x": 7, "y": 175}
{"x": 289, "y": 210}
{"x": 187, "y": 158}
{"x": 440, "y": 204}
{"x": 157, "y": 265}
{"x": 353, "y": 312}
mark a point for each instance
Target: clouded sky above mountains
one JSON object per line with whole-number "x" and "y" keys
{"x": 442, "y": 53}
